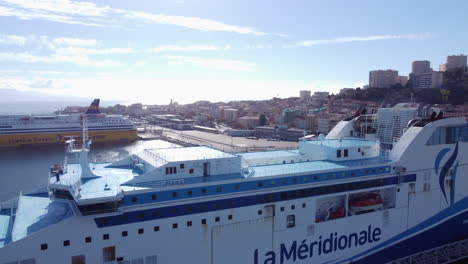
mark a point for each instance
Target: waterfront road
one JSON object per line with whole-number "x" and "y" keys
{"x": 224, "y": 142}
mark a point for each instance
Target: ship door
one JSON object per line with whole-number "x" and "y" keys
{"x": 108, "y": 254}
{"x": 206, "y": 169}
{"x": 78, "y": 259}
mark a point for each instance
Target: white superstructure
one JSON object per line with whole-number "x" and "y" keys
{"x": 333, "y": 200}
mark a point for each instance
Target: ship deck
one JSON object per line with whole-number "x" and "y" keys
{"x": 111, "y": 181}
{"x": 32, "y": 214}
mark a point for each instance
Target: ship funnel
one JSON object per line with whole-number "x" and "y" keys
{"x": 86, "y": 171}
{"x": 93, "y": 108}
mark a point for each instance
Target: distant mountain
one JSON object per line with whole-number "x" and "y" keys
{"x": 12, "y": 95}
{"x": 25, "y": 102}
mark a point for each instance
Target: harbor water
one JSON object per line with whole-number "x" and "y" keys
{"x": 25, "y": 169}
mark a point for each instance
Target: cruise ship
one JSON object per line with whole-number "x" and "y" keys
{"x": 17, "y": 130}
{"x": 338, "y": 199}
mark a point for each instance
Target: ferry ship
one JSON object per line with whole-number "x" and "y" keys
{"x": 338, "y": 199}
{"x": 17, "y": 130}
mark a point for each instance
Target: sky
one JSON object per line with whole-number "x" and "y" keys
{"x": 187, "y": 50}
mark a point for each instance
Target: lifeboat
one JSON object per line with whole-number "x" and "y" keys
{"x": 365, "y": 203}
{"x": 337, "y": 213}
{"x": 332, "y": 213}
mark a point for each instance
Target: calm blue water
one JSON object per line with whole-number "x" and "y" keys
{"x": 26, "y": 168}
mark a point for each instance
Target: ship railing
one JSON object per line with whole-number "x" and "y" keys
{"x": 70, "y": 179}
{"x": 443, "y": 254}
{"x": 9, "y": 204}
{"x": 101, "y": 195}
{"x": 154, "y": 156}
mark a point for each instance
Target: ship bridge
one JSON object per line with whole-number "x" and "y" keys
{"x": 180, "y": 164}
{"x": 100, "y": 187}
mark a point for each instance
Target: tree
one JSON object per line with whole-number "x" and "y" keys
{"x": 263, "y": 120}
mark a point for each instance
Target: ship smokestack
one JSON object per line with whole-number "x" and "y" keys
{"x": 93, "y": 108}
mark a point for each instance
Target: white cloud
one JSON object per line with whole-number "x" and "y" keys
{"x": 191, "y": 22}
{"x": 13, "y": 40}
{"x": 34, "y": 72}
{"x": 87, "y": 51}
{"x": 60, "y": 50}
{"x": 75, "y": 42}
{"x": 87, "y": 13}
{"x": 34, "y": 14}
{"x": 61, "y": 6}
{"x": 54, "y": 58}
{"x": 220, "y": 64}
{"x": 169, "y": 48}
{"x": 47, "y": 41}
{"x": 308, "y": 43}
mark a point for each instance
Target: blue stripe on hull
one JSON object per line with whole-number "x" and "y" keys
{"x": 446, "y": 232}
{"x": 223, "y": 204}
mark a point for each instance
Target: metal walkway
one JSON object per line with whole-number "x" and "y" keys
{"x": 449, "y": 253}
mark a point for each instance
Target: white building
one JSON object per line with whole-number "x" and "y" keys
{"x": 427, "y": 80}
{"x": 305, "y": 95}
{"x": 322, "y": 95}
{"x": 249, "y": 122}
{"x": 392, "y": 122}
{"x": 230, "y": 114}
{"x": 325, "y": 123}
{"x": 402, "y": 80}
{"x": 421, "y": 66}
{"x": 454, "y": 61}
{"x": 383, "y": 78}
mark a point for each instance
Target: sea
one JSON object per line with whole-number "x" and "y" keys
{"x": 25, "y": 169}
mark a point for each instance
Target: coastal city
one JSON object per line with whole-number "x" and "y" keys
{"x": 233, "y": 132}
{"x": 289, "y": 119}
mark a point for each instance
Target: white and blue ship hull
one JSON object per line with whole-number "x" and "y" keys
{"x": 277, "y": 218}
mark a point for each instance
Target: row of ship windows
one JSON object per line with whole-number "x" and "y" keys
{"x": 189, "y": 223}
{"x": 345, "y": 153}
{"x": 173, "y": 170}
{"x": 141, "y": 231}
{"x": 260, "y": 184}
{"x": 208, "y": 206}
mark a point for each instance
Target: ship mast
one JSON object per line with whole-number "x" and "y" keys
{"x": 84, "y": 132}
